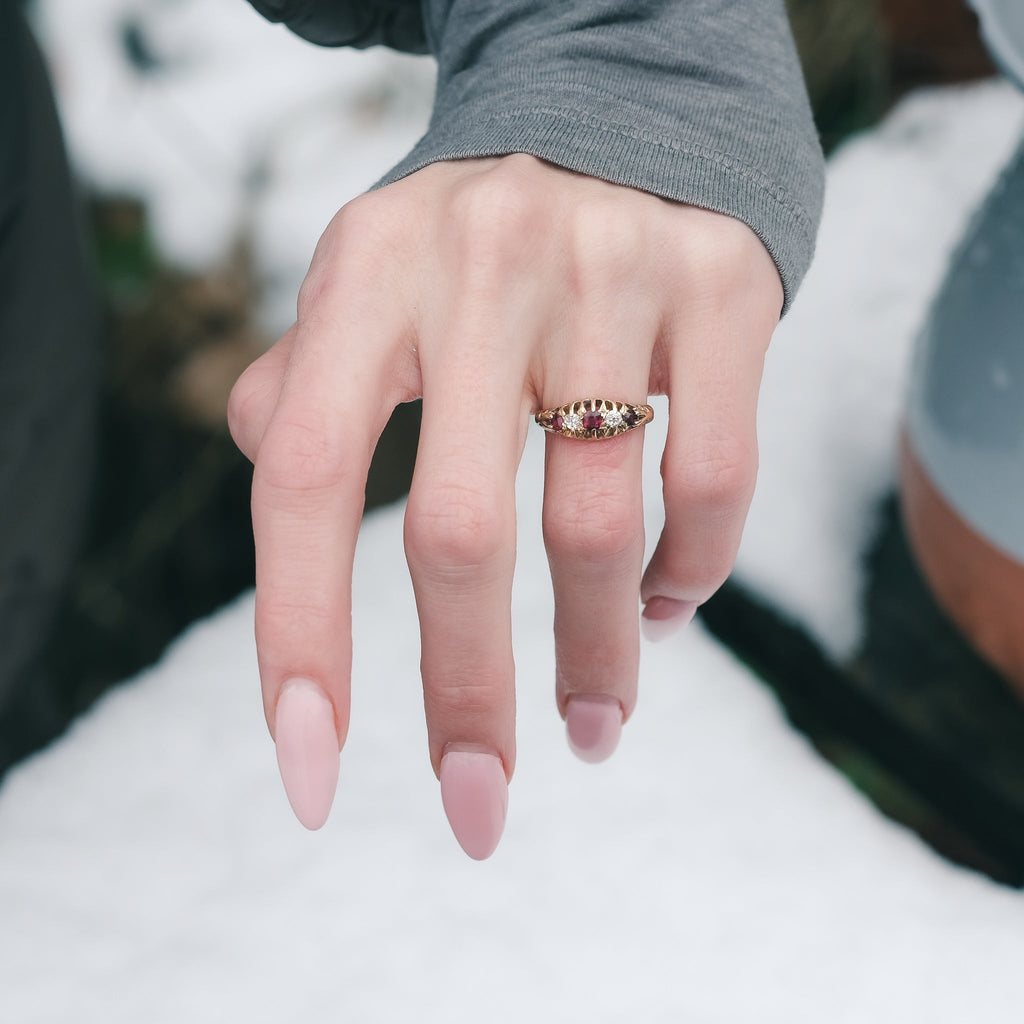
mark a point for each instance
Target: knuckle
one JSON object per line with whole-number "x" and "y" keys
{"x": 360, "y": 216}
{"x": 362, "y": 237}
{"x": 298, "y": 457}
{"x": 703, "y": 571}
{"x": 375, "y": 221}
{"x": 719, "y": 253}
{"x": 282, "y": 618}
{"x": 607, "y": 244}
{"x": 494, "y": 213}
{"x": 240, "y": 401}
{"x": 456, "y": 527}
{"x": 592, "y": 527}
{"x": 312, "y": 292}
{"x": 718, "y": 475}
{"x": 464, "y": 699}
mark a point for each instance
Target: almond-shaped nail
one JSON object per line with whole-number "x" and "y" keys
{"x": 663, "y": 616}
{"x": 475, "y": 797}
{"x": 593, "y": 724}
{"x": 307, "y": 750}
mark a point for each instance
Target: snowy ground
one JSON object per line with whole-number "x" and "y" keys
{"x": 714, "y": 871}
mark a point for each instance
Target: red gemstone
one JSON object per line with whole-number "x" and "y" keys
{"x": 556, "y": 421}
{"x": 630, "y": 417}
{"x": 592, "y": 420}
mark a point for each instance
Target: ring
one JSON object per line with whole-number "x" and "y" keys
{"x": 594, "y": 419}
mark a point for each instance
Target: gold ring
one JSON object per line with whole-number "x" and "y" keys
{"x": 594, "y": 419}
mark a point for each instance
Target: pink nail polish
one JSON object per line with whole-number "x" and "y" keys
{"x": 663, "y": 616}
{"x": 307, "y": 750}
{"x": 475, "y": 797}
{"x": 593, "y": 724}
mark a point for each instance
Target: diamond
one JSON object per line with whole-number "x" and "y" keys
{"x": 613, "y": 418}
{"x": 572, "y": 421}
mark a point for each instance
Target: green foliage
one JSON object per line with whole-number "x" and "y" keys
{"x": 846, "y": 64}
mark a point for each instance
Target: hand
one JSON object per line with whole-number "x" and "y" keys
{"x": 494, "y": 288}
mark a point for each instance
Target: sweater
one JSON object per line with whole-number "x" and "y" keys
{"x": 699, "y": 101}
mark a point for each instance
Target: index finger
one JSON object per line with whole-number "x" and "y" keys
{"x": 307, "y": 502}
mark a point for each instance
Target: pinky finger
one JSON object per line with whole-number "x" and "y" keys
{"x": 708, "y": 469}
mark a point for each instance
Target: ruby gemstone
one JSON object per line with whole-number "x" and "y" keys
{"x": 630, "y": 416}
{"x": 556, "y": 421}
{"x": 592, "y": 420}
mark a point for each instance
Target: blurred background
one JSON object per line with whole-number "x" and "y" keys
{"x": 193, "y": 292}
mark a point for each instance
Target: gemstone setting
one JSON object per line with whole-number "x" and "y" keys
{"x": 594, "y": 419}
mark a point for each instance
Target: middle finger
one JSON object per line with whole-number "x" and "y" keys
{"x": 460, "y": 533}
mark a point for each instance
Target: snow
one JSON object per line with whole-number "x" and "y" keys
{"x": 898, "y": 200}
{"x": 244, "y": 129}
{"x": 716, "y": 870}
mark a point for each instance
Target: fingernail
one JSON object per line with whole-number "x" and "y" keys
{"x": 307, "y": 750}
{"x": 662, "y": 616}
{"x": 475, "y": 797}
{"x": 593, "y": 724}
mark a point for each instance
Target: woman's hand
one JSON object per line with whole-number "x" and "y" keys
{"x": 494, "y": 288}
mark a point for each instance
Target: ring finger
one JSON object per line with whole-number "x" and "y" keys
{"x": 594, "y": 534}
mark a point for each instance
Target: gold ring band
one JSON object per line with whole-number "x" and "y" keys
{"x": 594, "y": 419}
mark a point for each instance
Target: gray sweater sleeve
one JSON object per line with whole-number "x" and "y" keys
{"x": 700, "y": 101}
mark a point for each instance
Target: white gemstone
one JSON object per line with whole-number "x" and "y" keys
{"x": 613, "y": 418}
{"x": 572, "y": 421}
